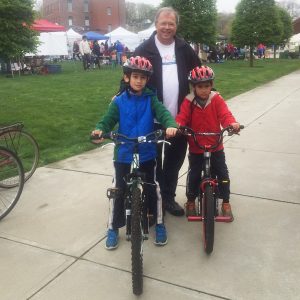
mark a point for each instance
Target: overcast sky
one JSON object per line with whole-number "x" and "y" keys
{"x": 222, "y": 5}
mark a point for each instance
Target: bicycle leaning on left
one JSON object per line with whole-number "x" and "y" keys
{"x": 11, "y": 180}
{"x": 19, "y": 157}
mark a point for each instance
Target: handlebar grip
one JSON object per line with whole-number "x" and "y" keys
{"x": 242, "y": 126}
{"x": 102, "y": 136}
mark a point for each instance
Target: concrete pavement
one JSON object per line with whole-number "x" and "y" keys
{"x": 52, "y": 243}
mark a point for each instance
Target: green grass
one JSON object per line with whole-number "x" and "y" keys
{"x": 60, "y": 110}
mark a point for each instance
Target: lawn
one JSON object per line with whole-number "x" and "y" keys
{"x": 61, "y": 109}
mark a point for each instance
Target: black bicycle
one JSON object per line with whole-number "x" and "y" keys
{"x": 136, "y": 206}
{"x": 207, "y": 201}
{"x": 15, "y": 138}
{"x": 11, "y": 180}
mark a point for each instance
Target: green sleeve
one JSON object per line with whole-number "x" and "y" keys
{"x": 110, "y": 119}
{"x": 162, "y": 115}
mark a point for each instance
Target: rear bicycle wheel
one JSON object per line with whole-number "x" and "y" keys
{"x": 136, "y": 242}
{"x": 11, "y": 180}
{"x": 26, "y": 148}
{"x": 208, "y": 208}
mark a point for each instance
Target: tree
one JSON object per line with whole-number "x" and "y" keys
{"x": 287, "y": 28}
{"x": 198, "y": 19}
{"x": 224, "y": 22}
{"x": 139, "y": 16}
{"x": 17, "y": 37}
{"x": 256, "y": 21}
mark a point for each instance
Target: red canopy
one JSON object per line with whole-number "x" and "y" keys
{"x": 47, "y": 26}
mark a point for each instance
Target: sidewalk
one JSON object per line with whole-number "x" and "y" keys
{"x": 52, "y": 243}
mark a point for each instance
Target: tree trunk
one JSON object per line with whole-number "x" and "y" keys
{"x": 274, "y": 51}
{"x": 251, "y": 56}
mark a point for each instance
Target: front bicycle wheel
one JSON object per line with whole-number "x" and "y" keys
{"x": 26, "y": 148}
{"x": 136, "y": 242}
{"x": 11, "y": 180}
{"x": 208, "y": 208}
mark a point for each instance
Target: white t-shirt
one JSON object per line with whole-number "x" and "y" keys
{"x": 169, "y": 76}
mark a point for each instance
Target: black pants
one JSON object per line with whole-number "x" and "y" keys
{"x": 168, "y": 170}
{"x": 152, "y": 192}
{"x": 86, "y": 59}
{"x": 219, "y": 170}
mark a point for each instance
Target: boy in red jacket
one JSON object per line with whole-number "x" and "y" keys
{"x": 205, "y": 110}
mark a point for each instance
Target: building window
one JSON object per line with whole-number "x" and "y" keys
{"x": 86, "y": 6}
{"x": 108, "y": 11}
{"x": 87, "y": 21}
{"x": 70, "y": 6}
{"x": 109, "y": 27}
{"x": 70, "y": 21}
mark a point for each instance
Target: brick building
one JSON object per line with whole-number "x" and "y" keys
{"x": 84, "y": 15}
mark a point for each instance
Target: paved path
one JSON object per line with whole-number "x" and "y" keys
{"x": 52, "y": 243}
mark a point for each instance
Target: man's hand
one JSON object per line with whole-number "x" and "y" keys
{"x": 171, "y": 132}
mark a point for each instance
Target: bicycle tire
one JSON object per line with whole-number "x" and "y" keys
{"x": 26, "y": 148}
{"x": 136, "y": 242}
{"x": 11, "y": 180}
{"x": 208, "y": 208}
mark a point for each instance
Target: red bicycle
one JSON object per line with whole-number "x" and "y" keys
{"x": 207, "y": 202}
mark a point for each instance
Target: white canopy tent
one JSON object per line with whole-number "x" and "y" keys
{"x": 127, "y": 38}
{"x": 51, "y": 44}
{"x": 145, "y": 34}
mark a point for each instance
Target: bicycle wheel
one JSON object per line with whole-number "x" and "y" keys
{"x": 11, "y": 180}
{"x": 26, "y": 148}
{"x": 208, "y": 208}
{"x": 136, "y": 242}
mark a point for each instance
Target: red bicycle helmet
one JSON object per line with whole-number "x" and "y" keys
{"x": 201, "y": 74}
{"x": 139, "y": 64}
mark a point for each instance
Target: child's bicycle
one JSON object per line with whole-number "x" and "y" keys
{"x": 208, "y": 203}
{"x": 23, "y": 144}
{"x": 11, "y": 180}
{"x": 136, "y": 206}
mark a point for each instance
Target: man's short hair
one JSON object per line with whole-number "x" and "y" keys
{"x": 169, "y": 10}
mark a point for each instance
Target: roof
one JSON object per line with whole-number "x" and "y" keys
{"x": 46, "y": 26}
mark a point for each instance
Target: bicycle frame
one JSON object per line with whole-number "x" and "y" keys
{"x": 208, "y": 207}
{"x": 136, "y": 205}
{"x": 213, "y": 182}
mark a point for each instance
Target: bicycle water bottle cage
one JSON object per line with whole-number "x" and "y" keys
{"x": 112, "y": 193}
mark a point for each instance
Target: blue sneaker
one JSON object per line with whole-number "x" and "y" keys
{"x": 161, "y": 238}
{"x": 112, "y": 241}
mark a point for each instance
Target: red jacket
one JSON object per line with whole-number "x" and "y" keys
{"x": 208, "y": 119}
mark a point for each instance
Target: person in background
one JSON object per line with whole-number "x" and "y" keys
{"x": 85, "y": 51}
{"x": 76, "y": 52}
{"x": 96, "y": 54}
{"x": 172, "y": 59}
{"x": 120, "y": 49}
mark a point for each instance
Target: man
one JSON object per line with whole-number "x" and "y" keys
{"x": 172, "y": 59}
{"x": 85, "y": 51}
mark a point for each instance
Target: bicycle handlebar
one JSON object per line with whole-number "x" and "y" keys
{"x": 152, "y": 137}
{"x": 190, "y": 132}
